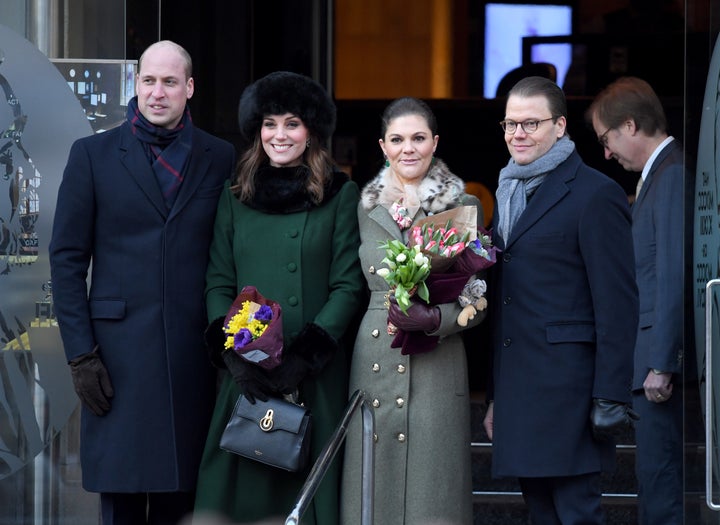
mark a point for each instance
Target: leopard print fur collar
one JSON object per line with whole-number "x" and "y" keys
{"x": 439, "y": 190}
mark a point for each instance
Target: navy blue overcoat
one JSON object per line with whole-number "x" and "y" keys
{"x": 145, "y": 305}
{"x": 567, "y": 311}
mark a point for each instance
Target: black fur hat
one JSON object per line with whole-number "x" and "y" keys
{"x": 285, "y": 92}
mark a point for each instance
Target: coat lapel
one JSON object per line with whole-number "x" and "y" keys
{"x": 649, "y": 179}
{"x": 135, "y": 161}
{"x": 197, "y": 168}
{"x": 133, "y": 158}
{"x": 551, "y": 191}
{"x": 381, "y": 216}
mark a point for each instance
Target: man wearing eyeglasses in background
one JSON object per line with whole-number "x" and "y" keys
{"x": 631, "y": 126}
{"x": 566, "y": 309}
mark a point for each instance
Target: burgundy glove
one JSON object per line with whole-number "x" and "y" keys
{"x": 420, "y": 317}
{"x": 92, "y": 382}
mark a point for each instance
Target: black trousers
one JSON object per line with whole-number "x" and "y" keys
{"x": 566, "y": 500}
{"x": 153, "y": 508}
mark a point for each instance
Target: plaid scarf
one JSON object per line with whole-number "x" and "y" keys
{"x": 167, "y": 149}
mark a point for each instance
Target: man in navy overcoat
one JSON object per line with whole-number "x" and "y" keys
{"x": 565, "y": 306}
{"x": 630, "y": 122}
{"x": 137, "y": 205}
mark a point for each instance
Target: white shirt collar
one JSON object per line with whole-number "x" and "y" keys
{"x": 652, "y": 158}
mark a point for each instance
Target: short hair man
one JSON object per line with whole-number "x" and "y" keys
{"x": 138, "y": 204}
{"x": 566, "y": 311}
{"x": 631, "y": 126}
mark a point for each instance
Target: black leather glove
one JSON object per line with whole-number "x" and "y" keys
{"x": 610, "y": 419}
{"x": 252, "y": 379}
{"x": 215, "y": 338}
{"x": 306, "y": 356}
{"x": 92, "y": 382}
{"x": 420, "y": 317}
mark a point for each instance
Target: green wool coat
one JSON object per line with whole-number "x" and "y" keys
{"x": 308, "y": 262}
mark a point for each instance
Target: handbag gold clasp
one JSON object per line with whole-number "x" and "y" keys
{"x": 266, "y": 423}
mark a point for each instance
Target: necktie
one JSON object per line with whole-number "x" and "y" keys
{"x": 639, "y": 185}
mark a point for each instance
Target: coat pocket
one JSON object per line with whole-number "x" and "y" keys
{"x": 646, "y": 319}
{"x": 107, "y": 308}
{"x": 570, "y": 332}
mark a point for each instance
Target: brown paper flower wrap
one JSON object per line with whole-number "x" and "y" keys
{"x": 452, "y": 264}
{"x": 253, "y": 326}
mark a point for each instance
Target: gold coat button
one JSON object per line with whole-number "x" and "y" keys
{"x": 401, "y": 437}
{"x": 375, "y": 403}
{"x": 375, "y": 333}
{"x": 375, "y": 367}
{"x": 371, "y": 269}
{"x": 401, "y": 369}
{"x": 400, "y": 402}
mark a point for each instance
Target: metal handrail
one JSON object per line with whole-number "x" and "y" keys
{"x": 709, "y": 409}
{"x": 328, "y": 454}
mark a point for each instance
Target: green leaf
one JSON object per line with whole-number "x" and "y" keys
{"x": 423, "y": 292}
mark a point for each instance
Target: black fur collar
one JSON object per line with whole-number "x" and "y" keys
{"x": 283, "y": 190}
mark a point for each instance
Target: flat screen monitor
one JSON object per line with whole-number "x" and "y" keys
{"x": 505, "y": 26}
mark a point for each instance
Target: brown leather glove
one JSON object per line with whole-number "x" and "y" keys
{"x": 92, "y": 382}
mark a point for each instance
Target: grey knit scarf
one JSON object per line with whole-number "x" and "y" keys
{"x": 517, "y": 183}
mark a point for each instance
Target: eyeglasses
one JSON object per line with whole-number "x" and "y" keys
{"x": 603, "y": 139}
{"x": 528, "y": 126}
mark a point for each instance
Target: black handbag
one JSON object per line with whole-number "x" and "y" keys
{"x": 275, "y": 432}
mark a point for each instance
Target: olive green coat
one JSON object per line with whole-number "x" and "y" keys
{"x": 308, "y": 262}
{"x": 421, "y": 403}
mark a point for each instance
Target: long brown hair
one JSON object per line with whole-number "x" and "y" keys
{"x": 316, "y": 158}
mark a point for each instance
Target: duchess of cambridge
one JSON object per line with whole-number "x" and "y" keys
{"x": 288, "y": 227}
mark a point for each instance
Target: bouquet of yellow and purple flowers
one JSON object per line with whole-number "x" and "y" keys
{"x": 253, "y": 328}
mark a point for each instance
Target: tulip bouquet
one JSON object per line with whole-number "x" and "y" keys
{"x": 407, "y": 269}
{"x": 442, "y": 243}
{"x": 444, "y": 251}
{"x": 253, "y": 328}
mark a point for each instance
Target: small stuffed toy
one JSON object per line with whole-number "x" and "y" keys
{"x": 472, "y": 301}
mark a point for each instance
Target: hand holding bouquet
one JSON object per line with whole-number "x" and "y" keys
{"x": 253, "y": 326}
{"x": 407, "y": 269}
{"x": 456, "y": 250}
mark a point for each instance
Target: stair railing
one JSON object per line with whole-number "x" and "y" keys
{"x": 710, "y": 419}
{"x": 357, "y": 400}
